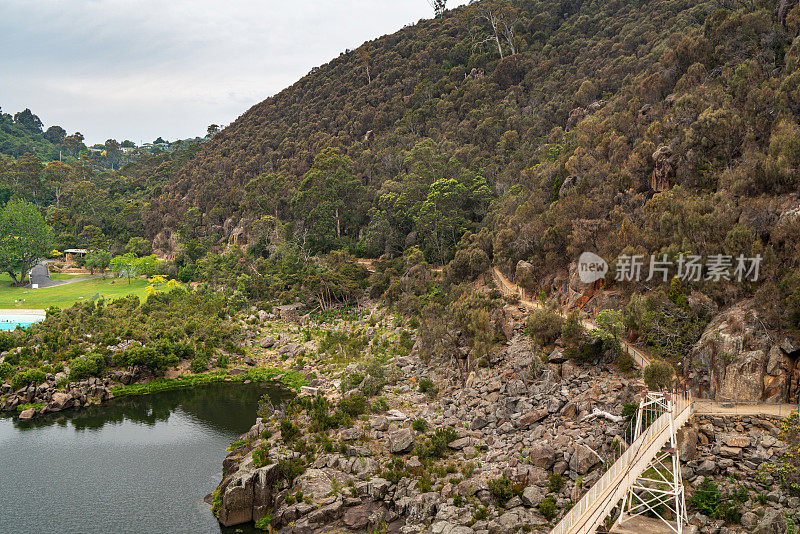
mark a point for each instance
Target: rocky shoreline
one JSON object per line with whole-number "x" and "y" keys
{"x": 47, "y": 397}
{"x": 525, "y": 439}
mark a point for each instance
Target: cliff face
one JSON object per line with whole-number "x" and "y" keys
{"x": 736, "y": 358}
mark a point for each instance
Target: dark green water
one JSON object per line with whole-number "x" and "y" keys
{"x": 137, "y": 465}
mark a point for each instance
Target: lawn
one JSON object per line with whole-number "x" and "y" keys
{"x": 66, "y": 295}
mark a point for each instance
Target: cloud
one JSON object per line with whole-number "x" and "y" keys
{"x": 139, "y": 69}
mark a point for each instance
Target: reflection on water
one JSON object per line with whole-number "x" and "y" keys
{"x": 138, "y": 464}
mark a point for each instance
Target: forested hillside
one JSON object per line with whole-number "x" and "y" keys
{"x": 419, "y": 137}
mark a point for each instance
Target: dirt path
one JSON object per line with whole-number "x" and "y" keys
{"x": 640, "y": 358}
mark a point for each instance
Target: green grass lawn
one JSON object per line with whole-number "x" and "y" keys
{"x": 66, "y": 295}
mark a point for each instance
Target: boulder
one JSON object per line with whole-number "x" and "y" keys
{"x": 774, "y": 522}
{"x": 582, "y": 460}
{"x": 365, "y": 517}
{"x": 59, "y": 401}
{"x": 542, "y": 455}
{"x": 532, "y": 496}
{"x": 400, "y": 440}
{"x": 27, "y": 415}
{"x": 533, "y": 417}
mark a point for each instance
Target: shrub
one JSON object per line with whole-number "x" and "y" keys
{"x": 658, "y": 375}
{"x": 7, "y": 342}
{"x": 436, "y": 445}
{"x": 353, "y": 406}
{"x": 556, "y": 482}
{"x": 426, "y": 386}
{"x": 289, "y": 430}
{"x": 625, "y": 362}
{"x": 291, "y": 468}
{"x": 83, "y": 367}
{"x": 27, "y": 377}
{"x": 264, "y": 522}
{"x": 261, "y": 455}
{"x": 710, "y": 501}
{"x": 502, "y": 489}
{"x": 544, "y": 326}
{"x": 481, "y": 513}
{"x": 199, "y": 364}
{"x": 547, "y": 508}
{"x": 420, "y": 425}
{"x": 6, "y": 370}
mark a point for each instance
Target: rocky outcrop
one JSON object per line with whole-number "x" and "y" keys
{"x": 737, "y": 359}
{"x": 663, "y": 169}
{"x": 53, "y": 399}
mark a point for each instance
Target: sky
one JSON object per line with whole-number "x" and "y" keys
{"x": 140, "y": 69}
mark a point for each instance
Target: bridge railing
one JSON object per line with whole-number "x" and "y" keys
{"x": 601, "y": 498}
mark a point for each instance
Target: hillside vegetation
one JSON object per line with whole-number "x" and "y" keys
{"x": 423, "y": 136}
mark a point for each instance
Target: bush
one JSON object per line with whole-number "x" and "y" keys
{"x": 264, "y": 522}
{"x": 83, "y": 367}
{"x": 710, "y": 501}
{"x": 502, "y": 489}
{"x": 6, "y": 370}
{"x": 289, "y": 430}
{"x": 420, "y": 425}
{"x": 27, "y": 377}
{"x": 658, "y": 375}
{"x": 436, "y": 445}
{"x": 625, "y": 362}
{"x": 556, "y": 482}
{"x": 7, "y": 342}
{"x": 261, "y": 455}
{"x": 481, "y": 513}
{"x": 548, "y": 508}
{"x": 199, "y": 364}
{"x": 353, "y": 406}
{"x": 544, "y": 326}
{"x": 291, "y": 468}
{"x": 426, "y": 386}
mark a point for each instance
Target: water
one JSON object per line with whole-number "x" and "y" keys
{"x": 11, "y": 321}
{"x": 136, "y": 465}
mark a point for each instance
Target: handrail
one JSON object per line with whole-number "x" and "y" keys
{"x": 612, "y": 486}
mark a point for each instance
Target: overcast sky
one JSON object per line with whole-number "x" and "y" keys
{"x": 139, "y": 69}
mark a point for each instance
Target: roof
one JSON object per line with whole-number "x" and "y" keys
{"x": 76, "y": 251}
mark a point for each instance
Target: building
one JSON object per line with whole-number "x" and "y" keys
{"x": 72, "y": 254}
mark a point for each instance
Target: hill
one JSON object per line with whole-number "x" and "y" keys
{"x": 602, "y": 105}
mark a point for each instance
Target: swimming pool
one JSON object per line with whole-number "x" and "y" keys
{"x": 9, "y": 321}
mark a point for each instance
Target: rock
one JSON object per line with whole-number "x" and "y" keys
{"x": 460, "y": 443}
{"x": 707, "y": 467}
{"x": 533, "y": 417}
{"x": 396, "y": 415}
{"x": 327, "y": 513}
{"x": 556, "y": 356}
{"x": 267, "y": 342}
{"x": 352, "y": 433}
{"x": 378, "y": 488}
{"x": 749, "y": 520}
{"x": 532, "y": 496}
{"x": 400, "y": 440}
{"x": 663, "y": 169}
{"x": 542, "y": 455}
{"x": 774, "y": 522}
{"x": 478, "y": 423}
{"x": 59, "y": 401}
{"x": 379, "y": 423}
{"x": 582, "y": 460}
{"x": 308, "y": 391}
{"x": 365, "y": 516}
{"x": 27, "y": 415}
{"x": 423, "y": 507}
{"x": 318, "y": 483}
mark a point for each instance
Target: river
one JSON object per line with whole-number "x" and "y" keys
{"x": 136, "y": 465}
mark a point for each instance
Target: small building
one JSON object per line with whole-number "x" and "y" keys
{"x": 71, "y": 255}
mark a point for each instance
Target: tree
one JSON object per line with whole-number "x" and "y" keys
{"x": 159, "y": 141}
{"x": 139, "y": 246}
{"x": 30, "y": 121}
{"x": 98, "y": 259}
{"x": 128, "y": 144}
{"x": 501, "y": 19}
{"x": 24, "y": 239}
{"x": 55, "y": 134}
{"x": 331, "y": 198}
{"x": 438, "y": 6}
{"x": 658, "y": 375}
{"x": 212, "y": 129}
{"x": 130, "y": 265}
